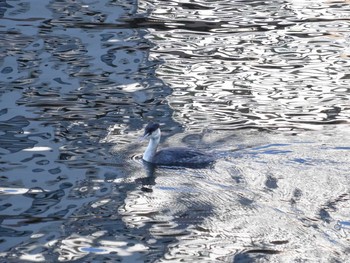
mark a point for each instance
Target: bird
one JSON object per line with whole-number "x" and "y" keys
{"x": 172, "y": 156}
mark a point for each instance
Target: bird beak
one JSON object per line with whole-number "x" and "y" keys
{"x": 144, "y": 137}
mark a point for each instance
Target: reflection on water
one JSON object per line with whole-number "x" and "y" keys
{"x": 264, "y": 85}
{"x": 253, "y": 65}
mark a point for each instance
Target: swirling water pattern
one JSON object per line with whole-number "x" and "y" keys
{"x": 253, "y": 64}
{"x": 262, "y": 84}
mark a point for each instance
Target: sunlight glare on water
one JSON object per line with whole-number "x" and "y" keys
{"x": 262, "y": 85}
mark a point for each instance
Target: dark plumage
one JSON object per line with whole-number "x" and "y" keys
{"x": 182, "y": 156}
{"x": 151, "y": 127}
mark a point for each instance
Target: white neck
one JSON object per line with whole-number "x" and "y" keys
{"x": 151, "y": 149}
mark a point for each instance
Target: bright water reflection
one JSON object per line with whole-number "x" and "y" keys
{"x": 262, "y": 84}
{"x": 259, "y": 64}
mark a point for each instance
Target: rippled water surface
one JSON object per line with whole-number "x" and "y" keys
{"x": 263, "y": 85}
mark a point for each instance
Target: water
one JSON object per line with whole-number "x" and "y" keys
{"x": 262, "y": 84}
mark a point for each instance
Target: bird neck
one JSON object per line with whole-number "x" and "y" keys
{"x": 151, "y": 149}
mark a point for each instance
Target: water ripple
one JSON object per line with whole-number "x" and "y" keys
{"x": 245, "y": 80}
{"x": 272, "y": 64}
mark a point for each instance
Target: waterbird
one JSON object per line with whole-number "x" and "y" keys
{"x": 173, "y": 156}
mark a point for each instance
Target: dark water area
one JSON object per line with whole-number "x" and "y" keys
{"x": 263, "y": 85}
